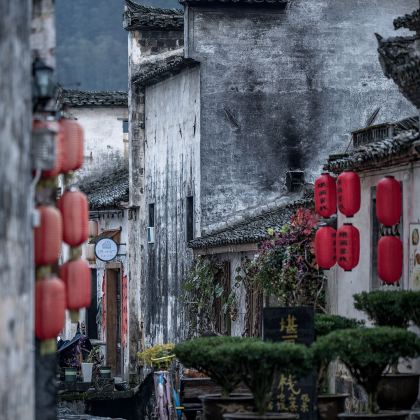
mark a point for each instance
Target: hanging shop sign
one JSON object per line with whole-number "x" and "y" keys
{"x": 106, "y": 249}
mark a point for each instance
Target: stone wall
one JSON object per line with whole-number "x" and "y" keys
{"x": 281, "y": 89}
{"x": 171, "y": 175}
{"x": 16, "y": 273}
{"x": 106, "y": 147}
{"x": 141, "y": 46}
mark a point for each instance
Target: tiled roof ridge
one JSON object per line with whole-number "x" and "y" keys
{"x": 80, "y": 98}
{"x": 252, "y": 228}
{"x": 236, "y": 2}
{"x": 141, "y": 17}
{"x": 244, "y": 217}
{"x": 107, "y": 190}
{"x": 162, "y": 66}
{"x": 373, "y": 154}
{"x": 410, "y": 21}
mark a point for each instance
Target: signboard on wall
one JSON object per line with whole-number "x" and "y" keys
{"x": 292, "y": 325}
{"x": 414, "y": 256}
{"x": 106, "y": 249}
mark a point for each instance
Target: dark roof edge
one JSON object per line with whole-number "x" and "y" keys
{"x": 202, "y": 242}
{"x": 140, "y": 17}
{"x": 240, "y": 3}
{"x": 153, "y": 73}
{"x": 86, "y": 98}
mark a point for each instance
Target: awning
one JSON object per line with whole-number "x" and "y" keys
{"x": 106, "y": 234}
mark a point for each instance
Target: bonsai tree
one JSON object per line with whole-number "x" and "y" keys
{"x": 324, "y": 325}
{"x": 367, "y": 352}
{"x": 259, "y": 362}
{"x": 384, "y": 308}
{"x": 327, "y": 323}
{"x": 203, "y": 355}
{"x": 412, "y": 305}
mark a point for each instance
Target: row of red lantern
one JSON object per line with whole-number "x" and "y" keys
{"x": 69, "y": 142}
{"x": 54, "y": 295}
{"x": 346, "y": 191}
{"x": 68, "y": 224}
{"x": 343, "y": 247}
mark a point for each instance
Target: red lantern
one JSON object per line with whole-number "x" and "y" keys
{"x": 72, "y": 136}
{"x": 40, "y": 125}
{"x": 348, "y": 193}
{"x": 48, "y": 236}
{"x": 348, "y": 247}
{"x": 388, "y": 201}
{"x": 390, "y": 259}
{"x": 75, "y": 213}
{"x": 50, "y": 307}
{"x": 325, "y": 244}
{"x": 77, "y": 278}
{"x": 325, "y": 195}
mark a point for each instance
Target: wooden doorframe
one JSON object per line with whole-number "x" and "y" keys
{"x": 113, "y": 318}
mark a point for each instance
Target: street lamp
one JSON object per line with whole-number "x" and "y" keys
{"x": 43, "y": 83}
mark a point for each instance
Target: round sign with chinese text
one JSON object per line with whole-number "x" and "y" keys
{"x": 106, "y": 249}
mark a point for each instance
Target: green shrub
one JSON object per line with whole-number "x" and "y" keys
{"x": 202, "y": 354}
{"x": 384, "y": 308}
{"x": 326, "y": 323}
{"x": 367, "y": 352}
{"x": 412, "y": 305}
{"x": 260, "y": 362}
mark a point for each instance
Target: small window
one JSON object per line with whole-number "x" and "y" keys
{"x": 151, "y": 215}
{"x": 190, "y": 218}
{"x": 125, "y": 126}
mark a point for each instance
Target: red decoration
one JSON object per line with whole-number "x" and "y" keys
{"x": 348, "y": 193}
{"x": 50, "y": 307}
{"x": 73, "y": 143}
{"x": 390, "y": 259}
{"x": 325, "y": 247}
{"x": 325, "y": 195}
{"x": 348, "y": 247}
{"x": 48, "y": 236}
{"x": 75, "y": 212}
{"x": 388, "y": 201}
{"x": 58, "y": 161}
{"x": 77, "y": 278}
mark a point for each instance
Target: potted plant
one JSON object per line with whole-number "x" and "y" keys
{"x": 202, "y": 354}
{"x": 329, "y": 405}
{"x": 397, "y": 391}
{"x": 366, "y": 352}
{"x": 260, "y": 363}
{"x": 158, "y": 357}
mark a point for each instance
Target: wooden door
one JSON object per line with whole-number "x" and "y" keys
{"x": 113, "y": 321}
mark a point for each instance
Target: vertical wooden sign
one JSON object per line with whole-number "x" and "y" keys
{"x": 292, "y": 325}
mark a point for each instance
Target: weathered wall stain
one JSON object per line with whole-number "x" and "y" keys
{"x": 297, "y": 82}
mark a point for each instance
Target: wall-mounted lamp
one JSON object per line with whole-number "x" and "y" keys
{"x": 43, "y": 83}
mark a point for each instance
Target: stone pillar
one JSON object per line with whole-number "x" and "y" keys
{"x": 43, "y": 47}
{"x": 16, "y": 272}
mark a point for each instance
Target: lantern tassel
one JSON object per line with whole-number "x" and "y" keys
{"x": 48, "y": 347}
{"x": 74, "y": 316}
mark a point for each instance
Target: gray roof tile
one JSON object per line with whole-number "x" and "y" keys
{"x": 108, "y": 191}
{"x": 81, "y": 98}
{"x": 139, "y": 17}
{"x": 252, "y": 230}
